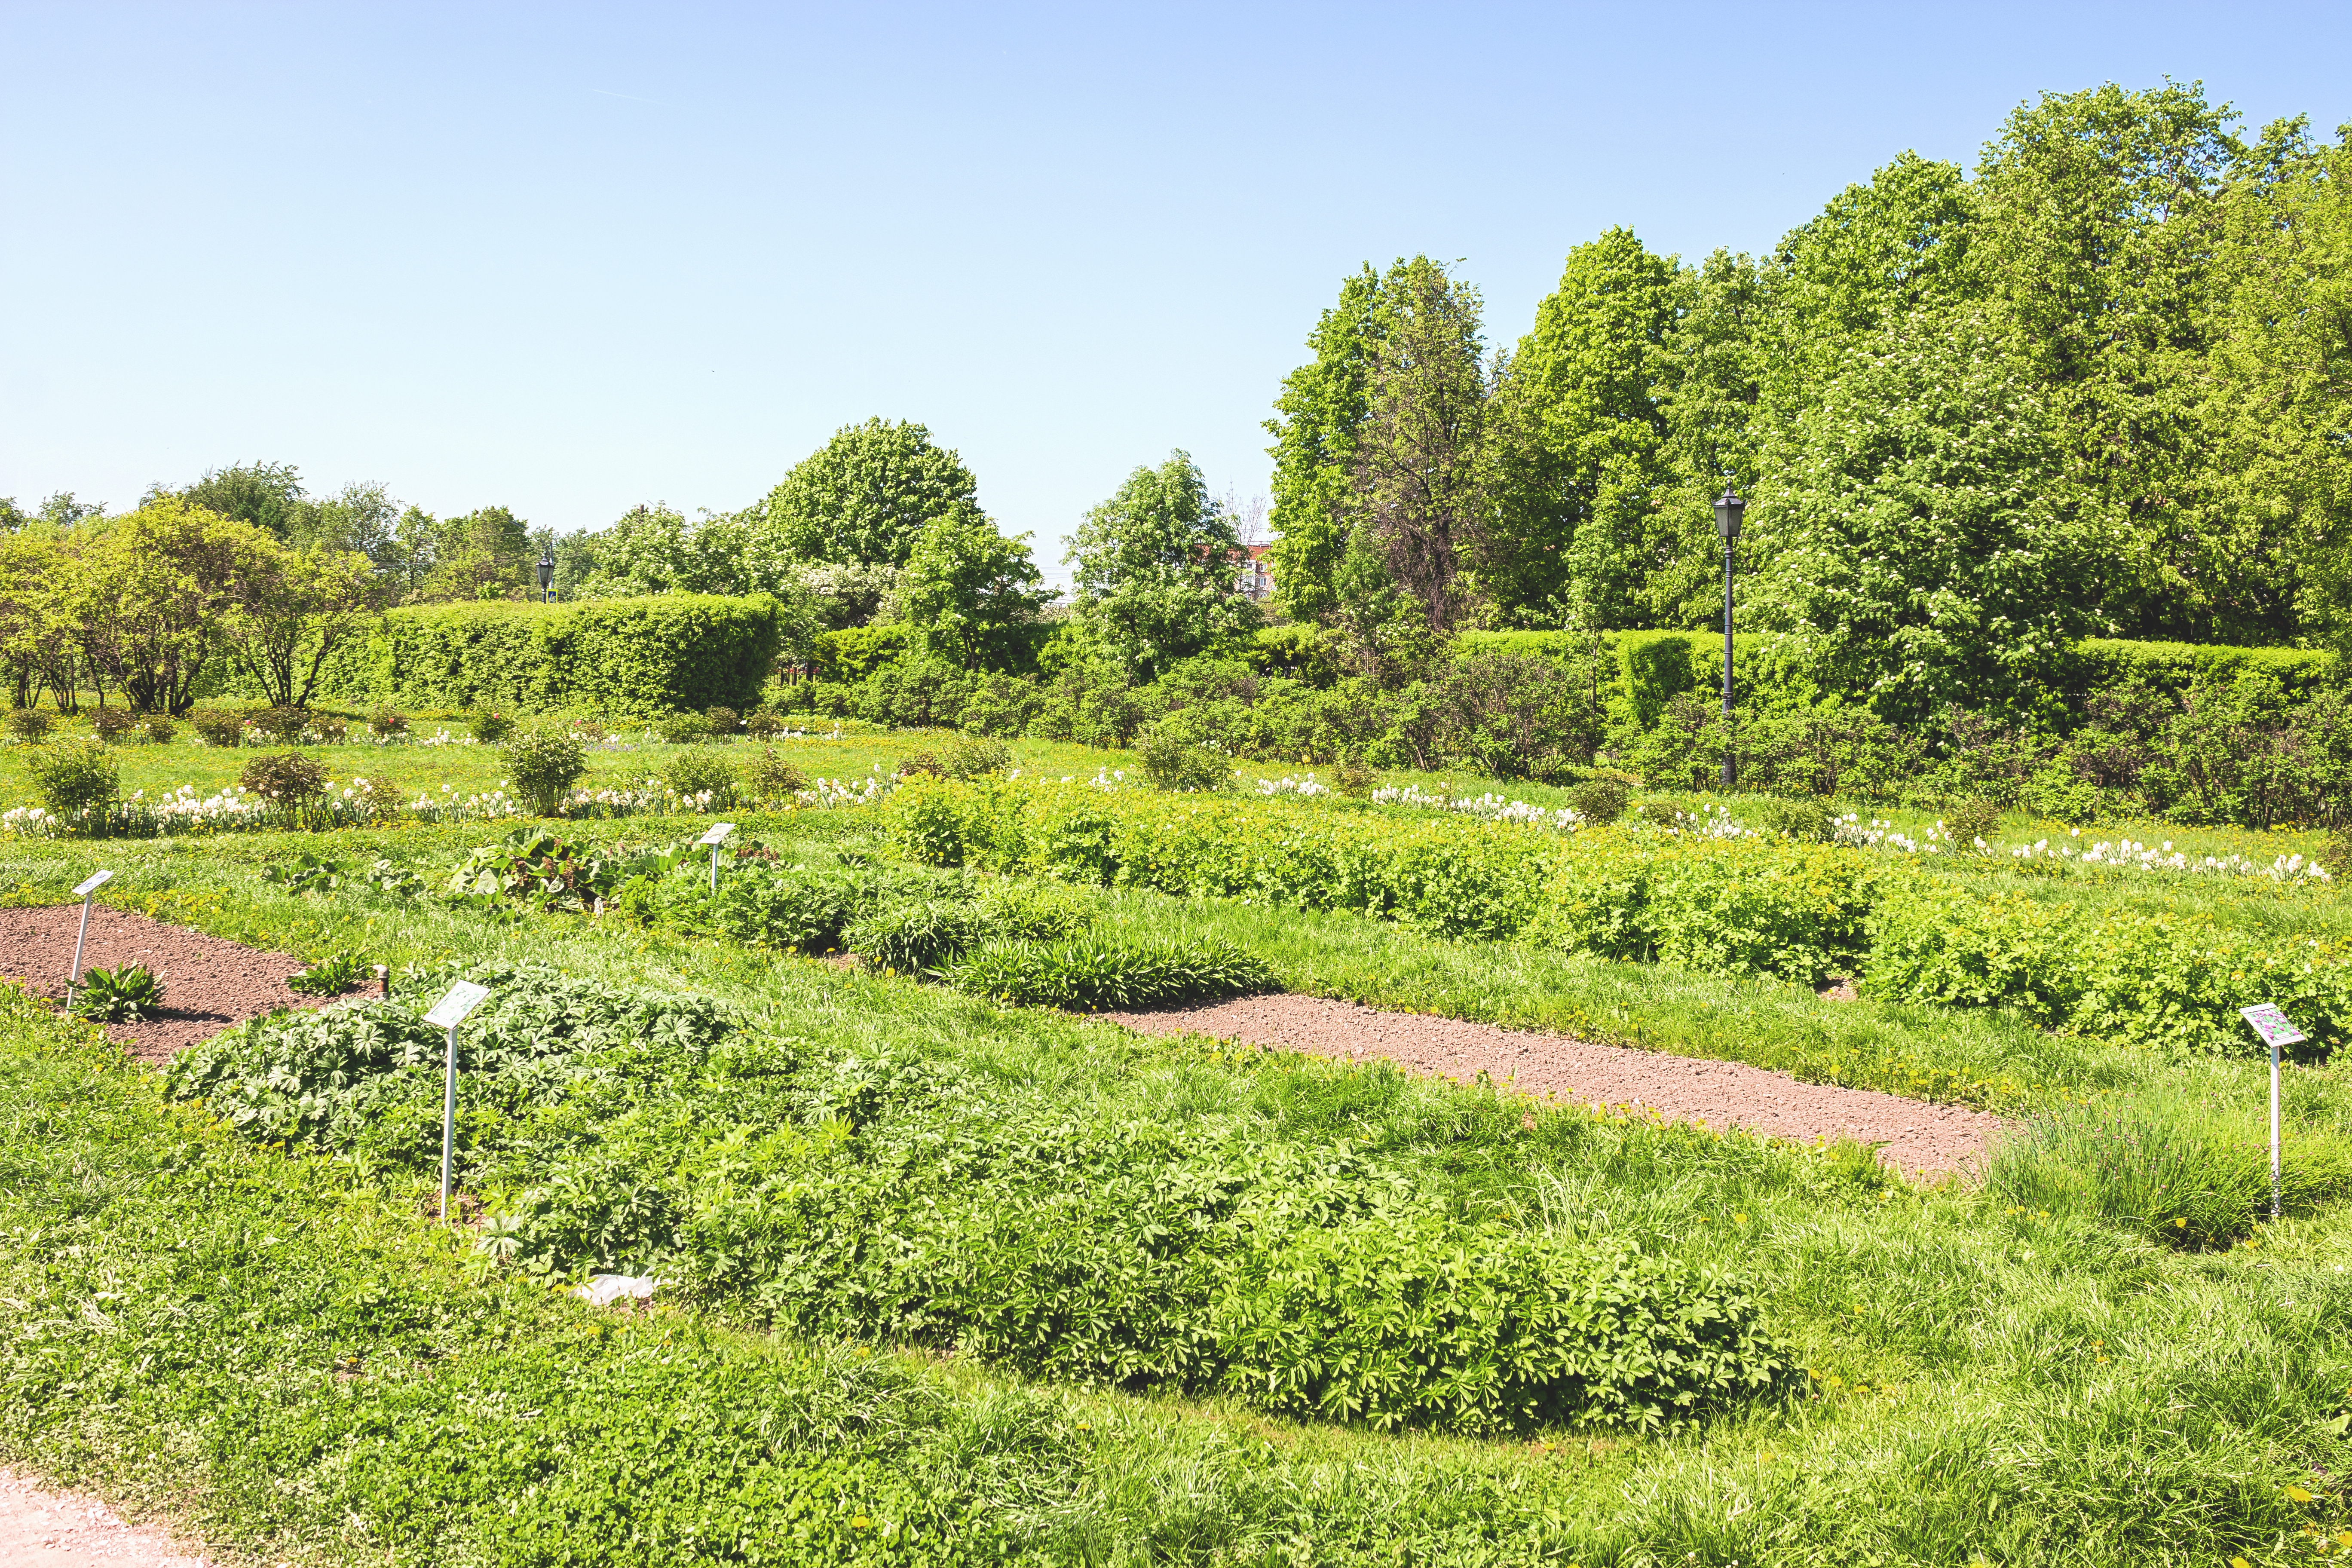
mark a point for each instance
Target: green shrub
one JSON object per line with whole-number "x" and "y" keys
{"x": 914, "y": 938}
{"x": 287, "y": 779}
{"x": 73, "y": 778}
{"x": 613, "y": 656}
{"x": 973, "y": 756}
{"x": 332, "y": 976}
{"x": 118, "y": 995}
{"x": 1091, "y": 974}
{"x": 278, "y": 726}
{"x": 1599, "y": 800}
{"x": 772, "y": 781}
{"x": 30, "y": 725}
{"x": 158, "y": 730}
{"x": 1355, "y": 779}
{"x": 388, "y": 721}
{"x": 543, "y": 761}
{"x": 724, "y": 722}
{"x": 1969, "y": 820}
{"x": 305, "y": 871}
{"x": 110, "y": 725}
{"x": 683, "y": 729}
{"x": 1806, "y": 821}
{"x": 764, "y": 726}
{"x": 214, "y": 727}
{"x": 1173, "y": 762}
{"x": 489, "y": 726}
{"x": 701, "y": 777}
{"x": 1353, "y": 1322}
{"x": 1015, "y": 909}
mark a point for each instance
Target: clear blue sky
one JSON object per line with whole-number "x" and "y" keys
{"x": 567, "y": 258}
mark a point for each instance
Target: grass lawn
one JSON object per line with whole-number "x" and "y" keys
{"x": 286, "y": 1348}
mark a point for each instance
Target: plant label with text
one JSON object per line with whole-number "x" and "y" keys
{"x": 718, "y": 834}
{"x": 2272, "y": 1025}
{"x": 94, "y": 884}
{"x": 459, "y": 1000}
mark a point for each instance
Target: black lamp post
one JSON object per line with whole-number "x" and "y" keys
{"x": 547, "y": 577}
{"x": 1727, "y": 510}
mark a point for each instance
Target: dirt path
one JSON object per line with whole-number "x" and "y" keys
{"x": 209, "y": 982}
{"x": 1919, "y": 1140}
{"x": 72, "y": 1529}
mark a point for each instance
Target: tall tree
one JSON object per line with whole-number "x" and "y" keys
{"x": 1579, "y": 439}
{"x": 862, "y": 498}
{"x": 157, "y": 598}
{"x": 965, "y": 586}
{"x": 1419, "y": 458}
{"x": 1321, "y": 409}
{"x": 1155, "y": 568}
{"x": 270, "y": 495}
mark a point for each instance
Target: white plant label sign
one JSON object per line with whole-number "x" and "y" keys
{"x": 94, "y": 884}
{"x": 460, "y": 999}
{"x": 2272, "y": 1025}
{"x": 718, "y": 834}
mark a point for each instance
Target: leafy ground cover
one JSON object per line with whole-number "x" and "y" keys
{"x": 282, "y": 1338}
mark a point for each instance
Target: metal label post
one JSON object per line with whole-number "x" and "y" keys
{"x": 85, "y": 893}
{"x": 715, "y": 838}
{"x": 2276, "y": 1030}
{"x": 449, "y": 1012}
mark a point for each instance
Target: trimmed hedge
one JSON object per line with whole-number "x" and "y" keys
{"x": 2174, "y": 668}
{"x": 663, "y": 653}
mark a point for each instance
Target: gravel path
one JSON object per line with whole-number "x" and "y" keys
{"x": 1919, "y": 1139}
{"x": 209, "y": 983}
{"x": 71, "y": 1529}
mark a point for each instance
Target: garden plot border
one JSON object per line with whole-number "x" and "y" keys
{"x": 1917, "y": 1138}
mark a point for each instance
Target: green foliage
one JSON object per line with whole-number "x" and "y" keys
{"x": 1093, "y": 974}
{"x": 1602, "y": 800}
{"x": 684, "y": 729}
{"x": 966, "y": 588}
{"x": 973, "y": 756}
{"x": 333, "y": 975}
{"x": 1155, "y": 571}
{"x": 864, "y": 497}
{"x": 1347, "y": 1322}
{"x": 1171, "y": 761}
{"x": 771, "y": 780}
{"x": 118, "y": 995}
{"x": 701, "y": 775}
{"x": 218, "y": 727}
{"x": 619, "y": 656}
{"x": 110, "y": 725}
{"x": 914, "y": 938}
{"x": 73, "y": 778}
{"x": 538, "y": 867}
{"x": 489, "y": 726}
{"x": 288, "y": 780}
{"x": 305, "y": 871}
{"x": 543, "y": 761}
{"x": 30, "y": 725}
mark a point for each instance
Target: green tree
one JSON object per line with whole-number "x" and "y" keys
{"x": 1579, "y": 438}
{"x": 1420, "y": 461}
{"x": 1321, "y": 408}
{"x": 484, "y": 554}
{"x": 1155, "y": 571}
{"x": 2275, "y": 504}
{"x": 965, "y": 584}
{"x": 270, "y": 495}
{"x": 862, "y": 498}
{"x": 655, "y": 549}
{"x": 157, "y": 595}
{"x": 1908, "y": 539}
{"x": 1711, "y": 383}
{"x": 292, "y": 609}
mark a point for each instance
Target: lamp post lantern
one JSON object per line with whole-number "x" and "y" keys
{"x": 546, "y": 575}
{"x": 1727, "y": 510}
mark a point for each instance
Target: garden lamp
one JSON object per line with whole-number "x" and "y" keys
{"x": 546, "y": 573}
{"x": 1729, "y": 508}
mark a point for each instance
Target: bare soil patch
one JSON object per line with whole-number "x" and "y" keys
{"x": 209, "y": 983}
{"x": 1917, "y": 1139}
{"x": 40, "y": 1528}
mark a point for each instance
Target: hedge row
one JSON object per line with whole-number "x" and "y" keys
{"x": 887, "y": 1195}
{"x": 1746, "y": 905}
{"x": 633, "y": 657}
{"x": 1655, "y": 668}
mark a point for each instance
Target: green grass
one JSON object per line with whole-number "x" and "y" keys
{"x": 1993, "y": 1384}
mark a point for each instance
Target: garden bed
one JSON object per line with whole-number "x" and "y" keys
{"x": 209, "y": 984}
{"x": 1919, "y": 1140}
